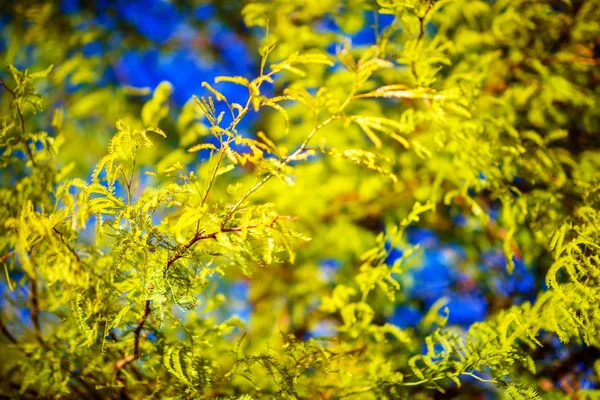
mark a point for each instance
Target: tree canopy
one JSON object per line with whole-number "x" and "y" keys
{"x": 298, "y": 199}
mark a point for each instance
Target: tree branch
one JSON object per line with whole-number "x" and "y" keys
{"x": 179, "y": 254}
{"x": 6, "y": 256}
{"x": 34, "y": 312}
{"x": 6, "y": 333}
{"x": 213, "y": 235}
{"x": 136, "y": 341}
{"x": 12, "y": 92}
{"x": 213, "y": 175}
{"x": 22, "y": 120}
{"x": 287, "y": 159}
{"x": 421, "y": 34}
{"x": 62, "y": 239}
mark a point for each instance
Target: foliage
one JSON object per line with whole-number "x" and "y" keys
{"x": 475, "y": 120}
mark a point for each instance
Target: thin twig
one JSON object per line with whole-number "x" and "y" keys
{"x": 22, "y": 120}
{"x": 421, "y": 34}
{"x": 126, "y": 184}
{"x": 71, "y": 250}
{"x": 480, "y": 379}
{"x": 6, "y": 333}
{"x": 4, "y": 257}
{"x": 358, "y": 349}
{"x": 232, "y": 126}
{"x": 292, "y": 156}
{"x": 213, "y": 175}
{"x": 286, "y": 161}
{"x": 12, "y": 92}
{"x": 136, "y": 341}
{"x": 422, "y": 381}
{"x": 137, "y": 373}
{"x": 213, "y": 235}
{"x": 359, "y": 391}
{"x": 34, "y": 312}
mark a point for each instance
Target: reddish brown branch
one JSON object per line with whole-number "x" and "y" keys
{"x": 138, "y": 329}
{"x": 62, "y": 239}
{"x": 586, "y": 60}
{"x": 6, "y": 256}
{"x": 34, "y": 312}
{"x": 12, "y": 92}
{"x": 179, "y": 254}
{"x": 213, "y": 235}
{"x": 136, "y": 341}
